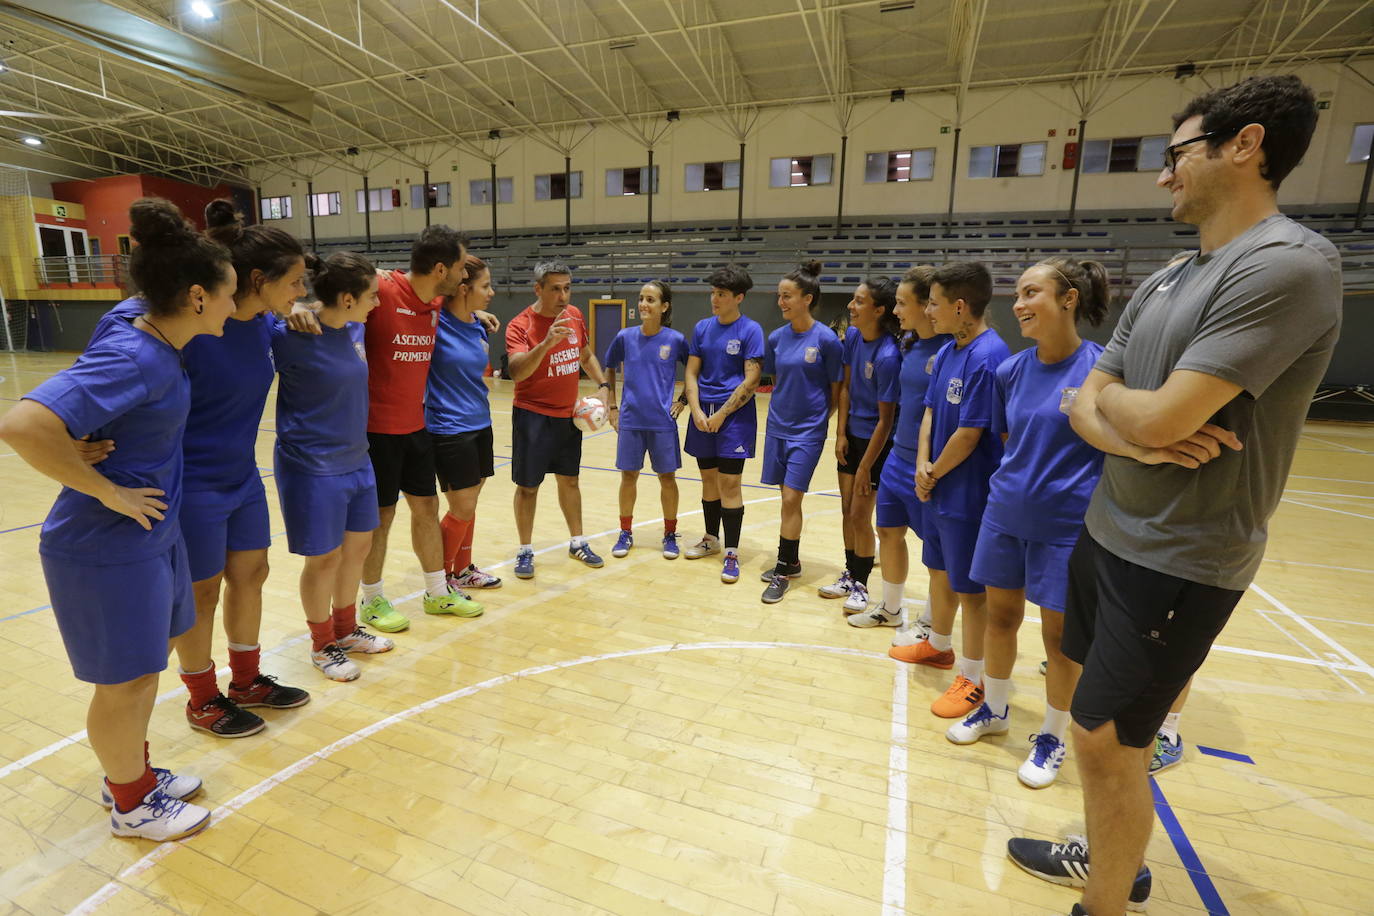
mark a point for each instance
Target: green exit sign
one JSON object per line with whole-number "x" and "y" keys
{"x": 945, "y": 129}
{"x": 1323, "y": 105}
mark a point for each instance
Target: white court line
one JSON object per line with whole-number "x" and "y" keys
{"x": 1331, "y": 479}
{"x": 894, "y": 853}
{"x": 1340, "y": 445}
{"x": 105, "y": 893}
{"x": 1306, "y": 648}
{"x": 1325, "y": 493}
{"x": 1358, "y": 569}
{"x": 1359, "y": 663}
{"x": 1297, "y": 502}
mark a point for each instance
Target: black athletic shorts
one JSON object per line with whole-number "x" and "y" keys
{"x": 857, "y": 448}
{"x": 731, "y": 466}
{"x": 402, "y": 463}
{"x": 543, "y": 445}
{"x": 1139, "y": 635}
{"x": 464, "y": 459}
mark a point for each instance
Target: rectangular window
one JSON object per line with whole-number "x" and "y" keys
{"x": 438, "y": 194}
{"x": 555, "y": 186}
{"x": 900, "y": 165}
{"x": 800, "y": 171}
{"x": 1125, "y": 154}
{"x": 1359, "y": 143}
{"x": 276, "y": 208}
{"x": 479, "y": 191}
{"x": 629, "y": 182}
{"x": 327, "y": 203}
{"x": 712, "y": 176}
{"x": 1007, "y": 160}
{"x": 379, "y": 199}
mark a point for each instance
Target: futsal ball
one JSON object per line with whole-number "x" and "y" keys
{"x": 589, "y": 414}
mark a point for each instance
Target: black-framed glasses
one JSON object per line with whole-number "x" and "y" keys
{"x": 1171, "y": 152}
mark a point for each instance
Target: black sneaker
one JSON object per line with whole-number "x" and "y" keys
{"x": 777, "y": 569}
{"x": 223, "y": 717}
{"x": 1067, "y": 864}
{"x": 777, "y": 587}
{"x": 1078, "y": 910}
{"x": 265, "y": 691}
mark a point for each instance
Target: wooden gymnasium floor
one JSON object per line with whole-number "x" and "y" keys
{"x": 642, "y": 739}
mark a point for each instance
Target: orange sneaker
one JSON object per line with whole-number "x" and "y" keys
{"x": 920, "y": 653}
{"x": 962, "y": 698}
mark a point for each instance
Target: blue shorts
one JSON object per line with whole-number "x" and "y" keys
{"x": 735, "y": 438}
{"x": 664, "y": 455}
{"x": 215, "y": 522}
{"x": 1042, "y": 569}
{"x": 116, "y": 620}
{"x": 790, "y": 463}
{"x": 948, "y": 545}
{"x": 898, "y": 505}
{"x": 318, "y": 508}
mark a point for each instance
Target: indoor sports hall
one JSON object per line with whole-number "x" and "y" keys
{"x": 642, "y": 737}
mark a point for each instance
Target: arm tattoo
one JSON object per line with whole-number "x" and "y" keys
{"x": 745, "y": 391}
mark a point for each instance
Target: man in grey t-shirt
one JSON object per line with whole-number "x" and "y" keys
{"x": 1198, "y": 402}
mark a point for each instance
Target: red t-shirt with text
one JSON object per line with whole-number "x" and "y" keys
{"x": 399, "y": 338}
{"x": 552, "y": 388}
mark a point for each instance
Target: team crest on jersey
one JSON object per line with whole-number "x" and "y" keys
{"x": 930, "y": 365}
{"x": 955, "y": 392}
{"x": 1067, "y": 397}
{"x": 812, "y": 354}
{"x": 732, "y": 347}
{"x": 434, "y": 318}
{"x": 358, "y": 348}
{"x": 664, "y": 351}
{"x": 868, "y": 369}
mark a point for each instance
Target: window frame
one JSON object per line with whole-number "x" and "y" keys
{"x": 446, "y": 195}
{"x": 888, "y": 165}
{"x": 639, "y": 180}
{"x": 575, "y": 178}
{"x": 504, "y": 183}
{"x": 1004, "y": 153}
{"x": 333, "y": 203}
{"x": 726, "y": 173}
{"x": 793, "y": 162}
{"x": 283, "y": 210}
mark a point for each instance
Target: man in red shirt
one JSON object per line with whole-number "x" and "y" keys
{"x": 546, "y": 344}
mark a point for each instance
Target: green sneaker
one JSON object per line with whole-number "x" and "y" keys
{"x": 379, "y": 614}
{"x": 455, "y": 603}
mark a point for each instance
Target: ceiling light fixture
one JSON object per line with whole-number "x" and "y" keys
{"x": 620, "y": 44}
{"x": 674, "y": 115}
{"x": 897, "y": 95}
{"x": 202, "y": 9}
{"x": 33, "y": 141}
{"x": 893, "y": 6}
{"x": 494, "y": 134}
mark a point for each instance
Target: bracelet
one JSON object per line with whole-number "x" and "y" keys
{"x": 614, "y": 407}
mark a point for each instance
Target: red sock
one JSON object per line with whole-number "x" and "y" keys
{"x": 453, "y": 529}
{"x": 465, "y": 552}
{"x": 626, "y": 522}
{"x": 202, "y": 685}
{"x": 345, "y": 620}
{"x": 321, "y": 634}
{"x": 243, "y": 665}
{"x": 670, "y": 526}
{"x": 129, "y": 795}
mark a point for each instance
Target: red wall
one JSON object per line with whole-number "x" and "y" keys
{"x": 107, "y": 202}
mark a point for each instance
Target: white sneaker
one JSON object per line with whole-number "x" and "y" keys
{"x": 472, "y": 577}
{"x": 181, "y": 788}
{"x": 980, "y": 722}
{"x": 334, "y": 662}
{"x": 880, "y": 616}
{"x": 1042, "y": 766}
{"x": 839, "y": 588}
{"x": 364, "y": 642}
{"x": 911, "y": 634}
{"x": 857, "y": 600}
{"x": 160, "y": 818}
{"x": 705, "y": 547}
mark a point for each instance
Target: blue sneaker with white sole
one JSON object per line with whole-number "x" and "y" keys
{"x": 524, "y": 564}
{"x": 623, "y": 544}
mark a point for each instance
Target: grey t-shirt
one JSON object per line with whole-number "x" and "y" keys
{"x": 1262, "y": 311}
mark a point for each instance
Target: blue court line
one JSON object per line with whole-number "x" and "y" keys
{"x": 21, "y": 528}
{"x": 1226, "y": 755}
{"x": 1202, "y": 882}
{"x": 25, "y": 613}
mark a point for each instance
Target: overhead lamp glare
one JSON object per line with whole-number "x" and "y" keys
{"x": 33, "y": 141}
{"x": 202, "y": 9}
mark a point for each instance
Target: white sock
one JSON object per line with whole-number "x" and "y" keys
{"x": 1170, "y": 727}
{"x": 1056, "y": 722}
{"x": 524, "y": 548}
{"x": 181, "y": 670}
{"x": 941, "y": 642}
{"x": 971, "y": 668}
{"x": 240, "y": 647}
{"x": 436, "y": 584}
{"x": 577, "y": 542}
{"x": 997, "y": 694}
{"x": 892, "y": 595}
{"x": 924, "y": 617}
{"x": 372, "y": 590}
{"x": 732, "y": 552}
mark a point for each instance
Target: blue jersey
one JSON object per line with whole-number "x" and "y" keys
{"x": 119, "y": 313}
{"x": 723, "y": 349}
{"x": 961, "y": 395}
{"x": 650, "y": 371}
{"x": 321, "y": 399}
{"x": 456, "y": 396}
{"x": 803, "y": 367}
{"x": 1041, "y": 490}
{"x": 128, "y": 386}
{"x": 874, "y": 378}
{"x": 918, "y": 365}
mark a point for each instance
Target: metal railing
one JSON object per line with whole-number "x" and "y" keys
{"x": 90, "y": 270}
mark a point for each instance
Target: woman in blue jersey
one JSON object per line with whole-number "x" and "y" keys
{"x": 1038, "y": 497}
{"x": 458, "y": 417}
{"x": 646, "y": 420}
{"x": 866, "y": 412}
{"x": 807, "y": 363}
{"x": 899, "y": 508}
{"x": 324, "y": 478}
{"x": 112, "y": 552}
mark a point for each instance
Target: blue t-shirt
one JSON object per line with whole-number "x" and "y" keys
{"x": 119, "y": 313}
{"x": 723, "y": 349}
{"x": 456, "y": 397}
{"x": 128, "y": 386}
{"x": 1041, "y": 490}
{"x": 918, "y": 365}
{"x": 650, "y": 371}
{"x": 321, "y": 399}
{"x": 803, "y": 367}
{"x": 874, "y": 377}
{"x": 961, "y": 394}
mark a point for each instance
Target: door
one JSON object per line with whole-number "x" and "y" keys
{"x": 608, "y": 318}
{"x": 62, "y": 242}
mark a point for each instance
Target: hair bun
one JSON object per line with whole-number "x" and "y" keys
{"x": 155, "y": 221}
{"x": 811, "y": 267}
{"x": 221, "y": 212}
